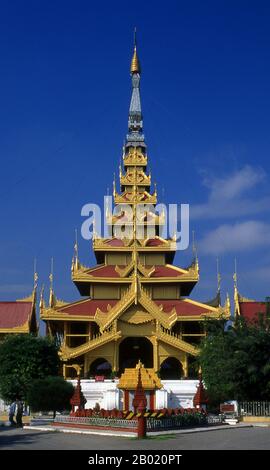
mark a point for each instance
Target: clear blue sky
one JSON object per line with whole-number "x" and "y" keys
{"x": 64, "y": 98}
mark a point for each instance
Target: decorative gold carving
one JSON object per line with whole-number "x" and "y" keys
{"x": 134, "y": 198}
{"x": 124, "y": 272}
{"x": 129, "y": 379}
{"x": 104, "y": 320}
{"x": 167, "y": 320}
{"x": 135, "y": 176}
{"x": 135, "y": 157}
{"x": 136, "y": 317}
{"x": 146, "y": 272}
{"x": 135, "y": 65}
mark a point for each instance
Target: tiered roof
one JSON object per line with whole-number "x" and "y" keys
{"x": 18, "y": 316}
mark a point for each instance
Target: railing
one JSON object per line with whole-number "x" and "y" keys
{"x": 166, "y": 319}
{"x": 254, "y": 408}
{"x": 187, "y": 420}
{"x": 176, "y": 340}
{"x": 176, "y": 422}
{"x": 104, "y": 319}
{"x": 215, "y": 419}
{"x": 103, "y": 422}
{"x": 97, "y": 340}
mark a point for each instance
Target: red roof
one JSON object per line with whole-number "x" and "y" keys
{"x": 200, "y": 398}
{"x": 109, "y": 271}
{"x": 115, "y": 242}
{"x": 250, "y": 310}
{"x": 87, "y": 307}
{"x": 14, "y": 314}
{"x": 104, "y": 271}
{"x": 165, "y": 271}
{"x": 183, "y": 307}
{"x": 155, "y": 242}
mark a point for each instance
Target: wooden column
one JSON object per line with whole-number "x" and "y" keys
{"x": 155, "y": 354}
{"x": 185, "y": 365}
{"x": 65, "y": 333}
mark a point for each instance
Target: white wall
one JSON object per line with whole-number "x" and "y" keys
{"x": 174, "y": 394}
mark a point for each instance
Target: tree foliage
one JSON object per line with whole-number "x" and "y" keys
{"x": 24, "y": 358}
{"x": 236, "y": 361}
{"x": 50, "y": 394}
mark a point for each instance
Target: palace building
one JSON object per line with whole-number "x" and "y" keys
{"x": 247, "y": 308}
{"x": 135, "y": 306}
{"x": 18, "y": 316}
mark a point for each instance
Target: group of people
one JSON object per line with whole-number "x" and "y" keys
{"x": 16, "y": 410}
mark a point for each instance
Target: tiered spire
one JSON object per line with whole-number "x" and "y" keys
{"x": 135, "y": 183}
{"x": 135, "y": 135}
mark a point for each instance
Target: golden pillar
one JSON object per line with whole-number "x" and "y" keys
{"x": 116, "y": 356}
{"x": 185, "y": 365}
{"x": 154, "y": 342}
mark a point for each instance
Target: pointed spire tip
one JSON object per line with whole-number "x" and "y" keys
{"x": 135, "y": 64}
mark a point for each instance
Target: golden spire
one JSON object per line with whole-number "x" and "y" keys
{"x": 41, "y": 302}
{"x": 218, "y": 276}
{"x": 236, "y": 295}
{"x": 235, "y": 274}
{"x": 135, "y": 64}
{"x": 194, "y": 248}
{"x": 35, "y": 275}
{"x": 51, "y": 300}
{"x": 114, "y": 185}
{"x": 75, "y": 259}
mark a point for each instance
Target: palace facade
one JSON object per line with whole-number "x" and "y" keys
{"x": 135, "y": 303}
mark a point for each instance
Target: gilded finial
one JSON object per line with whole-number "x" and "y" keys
{"x": 194, "y": 252}
{"x": 41, "y": 302}
{"x": 35, "y": 275}
{"x": 194, "y": 249}
{"x": 114, "y": 185}
{"x": 218, "y": 277}
{"x": 51, "y": 275}
{"x": 228, "y": 302}
{"x": 75, "y": 260}
{"x": 135, "y": 64}
{"x": 51, "y": 301}
{"x": 236, "y": 295}
{"x": 235, "y": 274}
{"x": 94, "y": 229}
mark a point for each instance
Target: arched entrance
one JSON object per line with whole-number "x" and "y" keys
{"x": 133, "y": 349}
{"x": 100, "y": 367}
{"x": 171, "y": 369}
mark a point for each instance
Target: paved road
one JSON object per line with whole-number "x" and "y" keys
{"x": 231, "y": 439}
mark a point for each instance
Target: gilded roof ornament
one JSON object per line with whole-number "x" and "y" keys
{"x": 52, "y": 297}
{"x": 135, "y": 64}
{"x": 42, "y": 302}
{"x": 218, "y": 277}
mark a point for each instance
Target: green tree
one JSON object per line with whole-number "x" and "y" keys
{"x": 24, "y": 358}
{"x": 50, "y": 394}
{"x": 236, "y": 361}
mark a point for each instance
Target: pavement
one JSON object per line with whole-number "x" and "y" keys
{"x": 241, "y": 437}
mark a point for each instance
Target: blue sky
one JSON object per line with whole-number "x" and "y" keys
{"x": 64, "y": 97}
